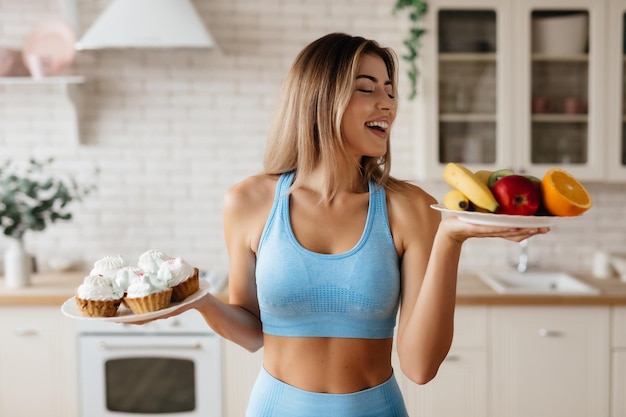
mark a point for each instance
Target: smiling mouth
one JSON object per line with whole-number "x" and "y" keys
{"x": 378, "y": 126}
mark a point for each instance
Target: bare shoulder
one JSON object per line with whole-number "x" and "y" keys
{"x": 246, "y": 206}
{"x": 410, "y": 200}
{"x": 410, "y": 216}
{"x": 251, "y": 193}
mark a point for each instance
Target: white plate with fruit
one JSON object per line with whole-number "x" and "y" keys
{"x": 493, "y": 219}
{"x": 504, "y": 198}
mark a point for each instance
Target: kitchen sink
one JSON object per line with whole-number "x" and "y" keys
{"x": 536, "y": 283}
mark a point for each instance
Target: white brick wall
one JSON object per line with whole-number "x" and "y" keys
{"x": 172, "y": 130}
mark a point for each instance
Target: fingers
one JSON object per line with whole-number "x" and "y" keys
{"x": 519, "y": 234}
{"x": 462, "y": 230}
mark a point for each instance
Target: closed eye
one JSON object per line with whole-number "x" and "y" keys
{"x": 363, "y": 90}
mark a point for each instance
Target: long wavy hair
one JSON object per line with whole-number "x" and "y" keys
{"x": 306, "y": 128}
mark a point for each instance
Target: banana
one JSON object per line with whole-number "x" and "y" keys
{"x": 468, "y": 183}
{"x": 483, "y": 175}
{"x": 455, "y": 200}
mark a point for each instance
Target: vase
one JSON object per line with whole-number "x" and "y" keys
{"x": 560, "y": 35}
{"x": 17, "y": 265}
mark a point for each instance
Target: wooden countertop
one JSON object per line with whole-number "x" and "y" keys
{"x": 471, "y": 290}
{"x": 48, "y": 289}
{"x": 54, "y": 288}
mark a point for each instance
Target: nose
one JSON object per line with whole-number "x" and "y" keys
{"x": 385, "y": 102}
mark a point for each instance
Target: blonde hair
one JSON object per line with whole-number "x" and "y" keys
{"x": 306, "y": 128}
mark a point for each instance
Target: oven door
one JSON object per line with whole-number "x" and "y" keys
{"x": 144, "y": 375}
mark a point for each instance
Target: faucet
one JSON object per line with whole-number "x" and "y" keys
{"x": 522, "y": 263}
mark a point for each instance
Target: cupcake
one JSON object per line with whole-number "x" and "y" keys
{"x": 147, "y": 293}
{"x": 108, "y": 266}
{"x": 124, "y": 277}
{"x": 97, "y": 297}
{"x": 151, "y": 260}
{"x": 180, "y": 276}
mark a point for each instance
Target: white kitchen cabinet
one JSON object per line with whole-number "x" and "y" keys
{"x": 37, "y": 363}
{"x": 493, "y": 95}
{"x": 616, "y": 91}
{"x": 550, "y": 361}
{"x": 240, "y": 371}
{"x": 460, "y": 387}
{"x": 618, "y": 381}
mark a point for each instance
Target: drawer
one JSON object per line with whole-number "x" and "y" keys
{"x": 619, "y": 327}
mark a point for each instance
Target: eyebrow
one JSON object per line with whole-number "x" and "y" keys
{"x": 372, "y": 78}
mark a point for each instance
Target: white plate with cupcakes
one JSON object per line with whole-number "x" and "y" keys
{"x": 126, "y": 315}
{"x": 115, "y": 291}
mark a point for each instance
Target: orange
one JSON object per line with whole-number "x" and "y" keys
{"x": 563, "y": 195}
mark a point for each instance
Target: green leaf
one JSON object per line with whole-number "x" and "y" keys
{"x": 32, "y": 197}
{"x": 417, "y": 10}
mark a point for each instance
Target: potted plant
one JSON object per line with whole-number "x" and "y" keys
{"x": 32, "y": 197}
{"x": 417, "y": 10}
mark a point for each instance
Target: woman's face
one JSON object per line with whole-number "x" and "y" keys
{"x": 371, "y": 111}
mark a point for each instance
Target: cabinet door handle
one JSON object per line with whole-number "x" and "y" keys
{"x": 549, "y": 333}
{"x": 25, "y": 332}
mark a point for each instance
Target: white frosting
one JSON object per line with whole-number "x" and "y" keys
{"x": 174, "y": 271}
{"x": 126, "y": 276}
{"x": 151, "y": 260}
{"x": 145, "y": 285}
{"x": 108, "y": 266}
{"x": 98, "y": 287}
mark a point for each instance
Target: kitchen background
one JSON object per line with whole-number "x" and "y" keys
{"x": 172, "y": 130}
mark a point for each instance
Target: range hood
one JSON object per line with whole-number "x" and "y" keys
{"x": 147, "y": 24}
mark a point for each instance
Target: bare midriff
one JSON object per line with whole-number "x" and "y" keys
{"x": 328, "y": 365}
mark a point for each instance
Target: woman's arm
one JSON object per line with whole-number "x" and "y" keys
{"x": 430, "y": 250}
{"x": 246, "y": 206}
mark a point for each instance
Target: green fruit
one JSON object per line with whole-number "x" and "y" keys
{"x": 496, "y": 175}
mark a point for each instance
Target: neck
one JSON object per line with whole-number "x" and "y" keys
{"x": 349, "y": 181}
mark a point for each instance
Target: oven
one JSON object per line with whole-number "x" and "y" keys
{"x": 169, "y": 367}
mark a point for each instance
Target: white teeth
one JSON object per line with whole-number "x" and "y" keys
{"x": 382, "y": 125}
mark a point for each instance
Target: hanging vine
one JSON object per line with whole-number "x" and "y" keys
{"x": 417, "y": 9}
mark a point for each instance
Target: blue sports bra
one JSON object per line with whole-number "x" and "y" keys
{"x": 301, "y": 293}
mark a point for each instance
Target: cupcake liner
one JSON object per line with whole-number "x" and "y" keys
{"x": 97, "y": 308}
{"x": 187, "y": 287}
{"x": 149, "y": 303}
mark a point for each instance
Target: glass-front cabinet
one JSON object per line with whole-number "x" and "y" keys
{"x": 515, "y": 84}
{"x": 616, "y": 131}
{"x": 467, "y": 85}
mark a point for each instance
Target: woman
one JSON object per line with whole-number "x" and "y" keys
{"x": 325, "y": 245}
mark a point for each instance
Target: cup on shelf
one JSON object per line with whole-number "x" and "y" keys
{"x": 540, "y": 105}
{"x": 573, "y": 105}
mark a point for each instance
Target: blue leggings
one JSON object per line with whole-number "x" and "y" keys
{"x": 273, "y": 398}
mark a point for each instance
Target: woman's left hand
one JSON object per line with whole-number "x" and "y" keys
{"x": 461, "y": 231}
